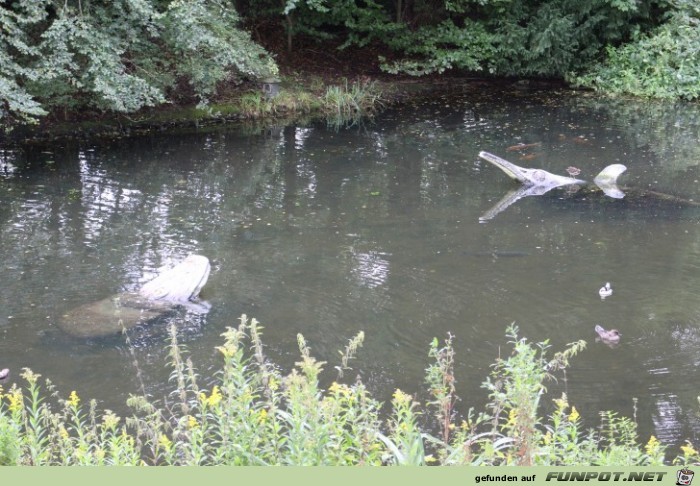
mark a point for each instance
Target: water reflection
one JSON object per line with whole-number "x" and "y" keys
{"x": 374, "y": 228}
{"x": 371, "y": 269}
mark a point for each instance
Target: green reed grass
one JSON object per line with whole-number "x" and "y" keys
{"x": 343, "y": 104}
{"x": 348, "y": 103}
{"x": 254, "y": 414}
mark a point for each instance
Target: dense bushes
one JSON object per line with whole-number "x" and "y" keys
{"x": 501, "y": 37}
{"x": 664, "y": 63}
{"x": 253, "y": 414}
{"x": 117, "y": 55}
{"x": 641, "y": 47}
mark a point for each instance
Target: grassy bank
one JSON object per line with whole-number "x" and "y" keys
{"x": 301, "y": 97}
{"x": 254, "y": 414}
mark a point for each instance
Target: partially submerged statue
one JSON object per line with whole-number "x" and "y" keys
{"x": 179, "y": 285}
{"x": 536, "y": 182}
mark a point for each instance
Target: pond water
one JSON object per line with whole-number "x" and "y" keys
{"x": 376, "y": 227}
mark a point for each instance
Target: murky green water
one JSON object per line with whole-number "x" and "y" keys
{"x": 376, "y": 228}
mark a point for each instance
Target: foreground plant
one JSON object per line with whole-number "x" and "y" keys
{"x": 252, "y": 414}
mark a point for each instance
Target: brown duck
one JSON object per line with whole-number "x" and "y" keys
{"x": 611, "y": 336}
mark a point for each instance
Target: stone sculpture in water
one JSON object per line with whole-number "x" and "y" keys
{"x": 178, "y": 286}
{"x": 536, "y": 182}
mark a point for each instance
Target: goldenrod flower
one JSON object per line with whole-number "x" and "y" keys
{"x": 688, "y": 450}
{"x": 512, "y": 417}
{"x": 227, "y": 351}
{"x": 561, "y": 403}
{"x": 215, "y": 396}
{"x": 164, "y": 442}
{"x": 211, "y": 400}
{"x": 401, "y": 397}
{"x": 652, "y": 446}
{"x": 63, "y": 433}
{"x": 127, "y": 438}
{"x": 110, "y": 420}
{"x": 262, "y": 416}
{"x": 430, "y": 459}
{"x": 192, "y": 422}
{"x": 574, "y": 415}
{"x": 15, "y": 398}
{"x": 73, "y": 399}
{"x": 29, "y": 375}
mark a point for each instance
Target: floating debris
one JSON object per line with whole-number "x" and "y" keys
{"x": 605, "y": 291}
{"x": 573, "y": 171}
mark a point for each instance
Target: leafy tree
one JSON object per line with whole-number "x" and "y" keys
{"x": 119, "y": 55}
{"x": 15, "y": 46}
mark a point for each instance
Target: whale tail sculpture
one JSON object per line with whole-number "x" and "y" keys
{"x": 536, "y": 182}
{"x": 179, "y": 285}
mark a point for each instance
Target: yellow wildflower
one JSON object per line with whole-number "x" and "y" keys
{"x": 73, "y": 399}
{"x": 164, "y": 442}
{"x": 127, "y": 438}
{"x": 15, "y": 398}
{"x": 688, "y": 450}
{"x": 561, "y": 403}
{"x": 652, "y": 446}
{"x": 215, "y": 396}
{"x": 547, "y": 438}
{"x": 63, "y": 433}
{"x": 512, "y": 417}
{"x": 334, "y": 388}
{"x": 213, "y": 399}
{"x": 29, "y": 375}
{"x": 401, "y": 397}
{"x": 110, "y": 420}
{"x": 192, "y": 422}
{"x": 430, "y": 459}
{"x": 262, "y": 416}
{"x": 574, "y": 415}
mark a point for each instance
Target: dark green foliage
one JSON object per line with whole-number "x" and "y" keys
{"x": 519, "y": 37}
{"x": 122, "y": 55}
{"x": 662, "y": 64}
{"x": 15, "y": 46}
{"x": 651, "y": 44}
{"x": 118, "y": 55}
{"x": 552, "y": 38}
{"x": 207, "y": 46}
{"x": 442, "y": 47}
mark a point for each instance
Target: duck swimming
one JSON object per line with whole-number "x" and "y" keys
{"x": 605, "y": 291}
{"x": 608, "y": 337}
